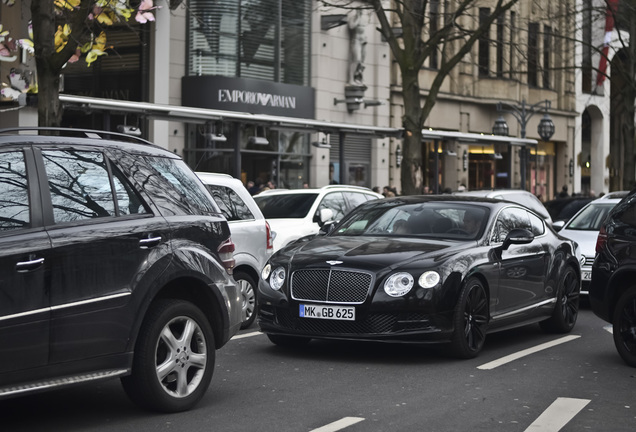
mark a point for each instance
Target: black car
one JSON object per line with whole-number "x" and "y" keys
{"x": 612, "y": 291}
{"x": 423, "y": 269}
{"x": 114, "y": 262}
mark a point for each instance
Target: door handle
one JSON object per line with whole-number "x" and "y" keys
{"x": 32, "y": 264}
{"x": 149, "y": 242}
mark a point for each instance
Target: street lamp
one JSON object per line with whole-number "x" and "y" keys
{"x": 523, "y": 113}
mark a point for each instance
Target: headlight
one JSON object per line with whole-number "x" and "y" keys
{"x": 428, "y": 279}
{"x": 277, "y": 278}
{"x": 398, "y": 284}
{"x": 266, "y": 271}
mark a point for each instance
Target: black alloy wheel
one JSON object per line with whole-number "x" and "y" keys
{"x": 470, "y": 320}
{"x": 624, "y": 324}
{"x": 566, "y": 309}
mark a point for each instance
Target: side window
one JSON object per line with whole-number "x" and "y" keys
{"x": 128, "y": 200}
{"x": 336, "y": 202}
{"x": 509, "y": 219}
{"x": 185, "y": 182}
{"x": 538, "y": 227}
{"x": 230, "y": 203}
{"x": 79, "y": 184}
{"x": 14, "y": 192}
{"x": 355, "y": 199}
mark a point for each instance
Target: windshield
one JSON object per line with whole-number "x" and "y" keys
{"x": 286, "y": 205}
{"x": 440, "y": 220}
{"x": 591, "y": 217}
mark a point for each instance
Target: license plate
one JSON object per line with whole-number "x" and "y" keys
{"x": 587, "y": 275}
{"x": 328, "y": 312}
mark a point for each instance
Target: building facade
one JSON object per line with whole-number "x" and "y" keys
{"x": 255, "y": 63}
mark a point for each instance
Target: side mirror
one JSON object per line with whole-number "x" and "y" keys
{"x": 325, "y": 215}
{"x": 518, "y": 236}
{"x": 327, "y": 228}
{"x": 558, "y": 225}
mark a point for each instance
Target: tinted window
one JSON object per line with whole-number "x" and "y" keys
{"x": 538, "y": 227}
{"x": 230, "y": 203}
{"x": 79, "y": 184}
{"x": 185, "y": 182}
{"x": 285, "y": 206}
{"x": 336, "y": 202}
{"x": 509, "y": 219}
{"x": 14, "y": 192}
{"x": 128, "y": 200}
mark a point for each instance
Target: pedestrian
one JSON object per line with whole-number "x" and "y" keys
{"x": 564, "y": 192}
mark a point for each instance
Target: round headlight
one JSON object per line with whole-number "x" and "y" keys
{"x": 277, "y": 278}
{"x": 398, "y": 284}
{"x": 266, "y": 271}
{"x": 428, "y": 279}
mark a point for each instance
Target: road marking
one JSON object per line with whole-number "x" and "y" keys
{"x": 558, "y": 414}
{"x": 338, "y": 425}
{"x": 244, "y": 335}
{"x": 507, "y": 359}
{"x": 609, "y": 328}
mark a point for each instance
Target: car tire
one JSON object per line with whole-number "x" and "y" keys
{"x": 566, "y": 309}
{"x": 288, "y": 341}
{"x": 247, "y": 290}
{"x": 175, "y": 341}
{"x": 624, "y": 326}
{"x": 470, "y": 320}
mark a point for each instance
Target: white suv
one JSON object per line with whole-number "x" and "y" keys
{"x": 250, "y": 232}
{"x": 297, "y": 213}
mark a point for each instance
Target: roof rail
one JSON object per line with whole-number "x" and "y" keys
{"x": 80, "y": 133}
{"x": 334, "y": 186}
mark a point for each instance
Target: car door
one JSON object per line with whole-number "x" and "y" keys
{"x": 103, "y": 236}
{"x": 522, "y": 273}
{"x": 25, "y": 259}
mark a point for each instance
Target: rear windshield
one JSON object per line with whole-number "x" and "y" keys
{"x": 285, "y": 206}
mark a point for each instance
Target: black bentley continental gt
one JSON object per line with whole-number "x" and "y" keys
{"x": 422, "y": 269}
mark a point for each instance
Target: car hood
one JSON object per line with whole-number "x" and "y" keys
{"x": 369, "y": 253}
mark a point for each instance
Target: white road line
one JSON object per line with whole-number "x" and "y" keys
{"x": 338, "y": 425}
{"x": 558, "y": 414}
{"x": 507, "y": 359}
{"x": 609, "y": 328}
{"x": 244, "y": 335}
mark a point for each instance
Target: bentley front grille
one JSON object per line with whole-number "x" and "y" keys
{"x": 330, "y": 286}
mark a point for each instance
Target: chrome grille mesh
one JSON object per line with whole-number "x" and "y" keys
{"x": 330, "y": 286}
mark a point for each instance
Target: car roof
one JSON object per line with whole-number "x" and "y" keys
{"x": 323, "y": 189}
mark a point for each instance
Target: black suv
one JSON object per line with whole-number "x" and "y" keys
{"x": 114, "y": 262}
{"x": 612, "y": 292}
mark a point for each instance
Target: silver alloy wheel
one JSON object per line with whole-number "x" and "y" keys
{"x": 181, "y": 356}
{"x": 249, "y": 298}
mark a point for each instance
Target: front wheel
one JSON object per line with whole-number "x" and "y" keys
{"x": 566, "y": 309}
{"x": 470, "y": 320}
{"x": 174, "y": 358}
{"x": 624, "y": 324}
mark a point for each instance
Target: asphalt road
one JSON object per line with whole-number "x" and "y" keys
{"x": 523, "y": 380}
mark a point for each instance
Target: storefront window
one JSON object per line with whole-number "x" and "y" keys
{"x": 260, "y": 39}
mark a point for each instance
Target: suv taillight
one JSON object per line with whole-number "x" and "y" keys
{"x": 226, "y": 255}
{"x": 601, "y": 239}
{"x": 270, "y": 239}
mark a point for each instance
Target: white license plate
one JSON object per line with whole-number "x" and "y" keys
{"x": 587, "y": 275}
{"x": 327, "y": 312}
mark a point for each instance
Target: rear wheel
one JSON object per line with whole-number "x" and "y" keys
{"x": 625, "y": 326}
{"x": 566, "y": 309}
{"x": 288, "y": 341}
{"x": 247, "y": 289}
{"x": 470, "y": 320}
{"x": 174, "y": 358}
